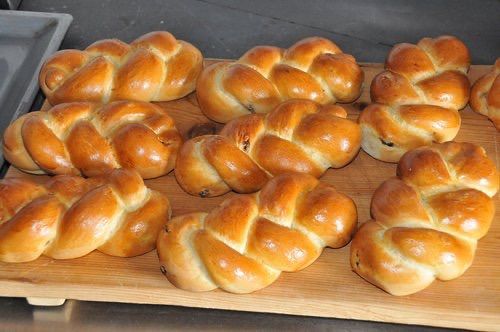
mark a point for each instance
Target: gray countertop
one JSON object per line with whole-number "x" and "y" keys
{"x": 366, "y": 29}
{"x": 225, "y": 29}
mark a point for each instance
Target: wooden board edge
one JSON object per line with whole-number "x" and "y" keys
{"x": 331, "y": 309}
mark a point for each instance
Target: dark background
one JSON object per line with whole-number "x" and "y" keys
{"x": 226, "y": 29}
{"x": 366, "y": 29}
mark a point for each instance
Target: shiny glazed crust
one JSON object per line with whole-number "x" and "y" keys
{"x": 313, "y": 68}
{"x": 89, "y": 139}
{"x": 427, "y": 220}
{"x": 244, "y": 244}
{"x": 298, "y": 136}
{"x": 69, "y": 216}
{"x": 416, "y": 99}
{"x": 154, "y": 67}
{"x": 485, "y": 95}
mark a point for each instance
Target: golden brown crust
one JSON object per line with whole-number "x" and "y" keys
{"x": 154, "y": 67}
{"x": 427, "y": 221}
{"x": 485, "y": 95}
{"x": 298, "y": 136}
{"x": 69, "y": 217}
{"x": 313, "y": 68}
{"x": 416, "y": 99}
{"x": 244, "y": 244}
{"x": 85, "y": 138}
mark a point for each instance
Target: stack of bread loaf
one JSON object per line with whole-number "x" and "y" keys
{"x": 101, "y": 125}
{"x": 100, "y": 136}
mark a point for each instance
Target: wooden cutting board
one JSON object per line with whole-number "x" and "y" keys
{"x": 327, "y": 288}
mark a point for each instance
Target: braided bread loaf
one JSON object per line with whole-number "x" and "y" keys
{"x": 154, "y": 67}
{"x": 298, "y": 136}
{"x": 314, "y": 68}
{"x": 427, "y": 220}
{"x": 485, "y": 95}
{"x": 244, "y": 244}
{"x": 69, "y": 216}
{"x": 84, "y": 138}
{"x": 416, "y": 98}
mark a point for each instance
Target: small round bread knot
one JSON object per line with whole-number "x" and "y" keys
{"x": 313, "y": 68}
{"x": 69, "y": 216}
{"x": 83, "y": 138}
{"x": 485, "y": 95}
{"x": 154, "y": 67}
{"x": 427, "y": 220}
{"x": 244, "y": 244}
{"x": 298, "y": 136}
{"x": 417, "y": 98}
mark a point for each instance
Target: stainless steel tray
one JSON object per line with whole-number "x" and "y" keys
{"x": 26, "y": 39}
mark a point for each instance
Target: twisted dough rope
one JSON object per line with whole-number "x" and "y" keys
{"x": 485, "y": 95}
{"x": 154, "y": 67}
{"x": 85, "y": 138}
{"x": 69, "y": 216}
{"x": 313, "y": 68}
{"x": 298, "y": 136}
{"x": 426, "y": 222}
{"x": 244, "y": 244}
{"x": 416, "y": 99}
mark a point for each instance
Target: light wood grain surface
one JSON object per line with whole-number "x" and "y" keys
{"x": 327, "y": 288}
